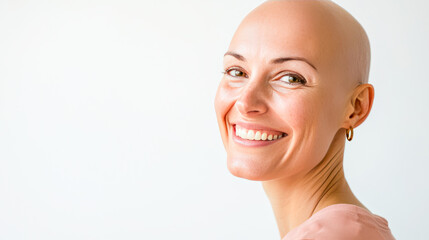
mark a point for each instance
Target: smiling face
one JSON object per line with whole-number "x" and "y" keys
{"x": 285, "y": 88}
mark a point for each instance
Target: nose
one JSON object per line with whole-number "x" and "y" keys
{"x": 251, "y": 101}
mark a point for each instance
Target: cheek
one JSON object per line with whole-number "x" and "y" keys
{"x": 308, "y": 114}
{"x": 297, "y": 111}
{"x": 310, "y": 130}
{"x": 224, "y": 101}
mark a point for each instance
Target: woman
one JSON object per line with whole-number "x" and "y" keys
{"x": 294, "y": 88}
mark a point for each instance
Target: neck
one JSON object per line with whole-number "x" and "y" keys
{"x": 296, "y": 199}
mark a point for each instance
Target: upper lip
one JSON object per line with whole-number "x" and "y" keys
{"x": 255, "y": 126}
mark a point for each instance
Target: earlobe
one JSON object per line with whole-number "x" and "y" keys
{"x": 361, "y": 104}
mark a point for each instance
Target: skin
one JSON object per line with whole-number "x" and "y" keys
{"x": 316, "y": 91}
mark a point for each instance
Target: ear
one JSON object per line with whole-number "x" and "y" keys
{"x": 359, "y": 106}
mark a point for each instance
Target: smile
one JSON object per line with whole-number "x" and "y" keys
{"x": 257, "y": 134}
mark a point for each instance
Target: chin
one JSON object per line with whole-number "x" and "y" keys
{"x": 248, "y": 169}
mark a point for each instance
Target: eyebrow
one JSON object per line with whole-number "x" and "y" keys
{"x": 274, "y": 61}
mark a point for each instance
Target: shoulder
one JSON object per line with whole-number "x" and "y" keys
{"x": 342, "y": 221}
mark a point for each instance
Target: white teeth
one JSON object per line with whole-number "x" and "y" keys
{"x": 255, "y": 135}
{"x": 243, "y": 133}
{"x": 264, "y": 136}
{"x": 258, "y": 135}
{"x": 250, "y": 135}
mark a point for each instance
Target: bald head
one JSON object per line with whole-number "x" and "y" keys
{"x": 321, "y": 30}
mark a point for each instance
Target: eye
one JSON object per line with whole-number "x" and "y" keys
{"x": 292, "y": 79}
{"x": 235, "y": 73}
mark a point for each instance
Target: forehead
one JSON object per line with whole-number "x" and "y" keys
{"x": 281, "y": 29}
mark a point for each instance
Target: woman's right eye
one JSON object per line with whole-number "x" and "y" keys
{"x": 235, "y": 73}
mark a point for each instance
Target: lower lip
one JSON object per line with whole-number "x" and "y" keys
{"x": 252, "y": 143}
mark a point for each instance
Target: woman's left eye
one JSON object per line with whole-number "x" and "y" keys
{"x": 292, "y": 79}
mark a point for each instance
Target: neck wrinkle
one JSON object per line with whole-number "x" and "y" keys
{"x": 329, "y": 178}
{"x": 296, "y": 199}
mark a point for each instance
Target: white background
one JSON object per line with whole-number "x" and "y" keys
{"x": 108, "y": 130}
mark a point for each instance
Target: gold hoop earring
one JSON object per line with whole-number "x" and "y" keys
{"x": 349, "y": 133}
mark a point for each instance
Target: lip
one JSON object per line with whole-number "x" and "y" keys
{"x": 254, "y": 143}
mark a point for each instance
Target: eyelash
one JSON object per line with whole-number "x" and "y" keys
{"x": 226, "y": 72}
{"x": 295, "y": 75}
{"x": 301, "y": 79}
